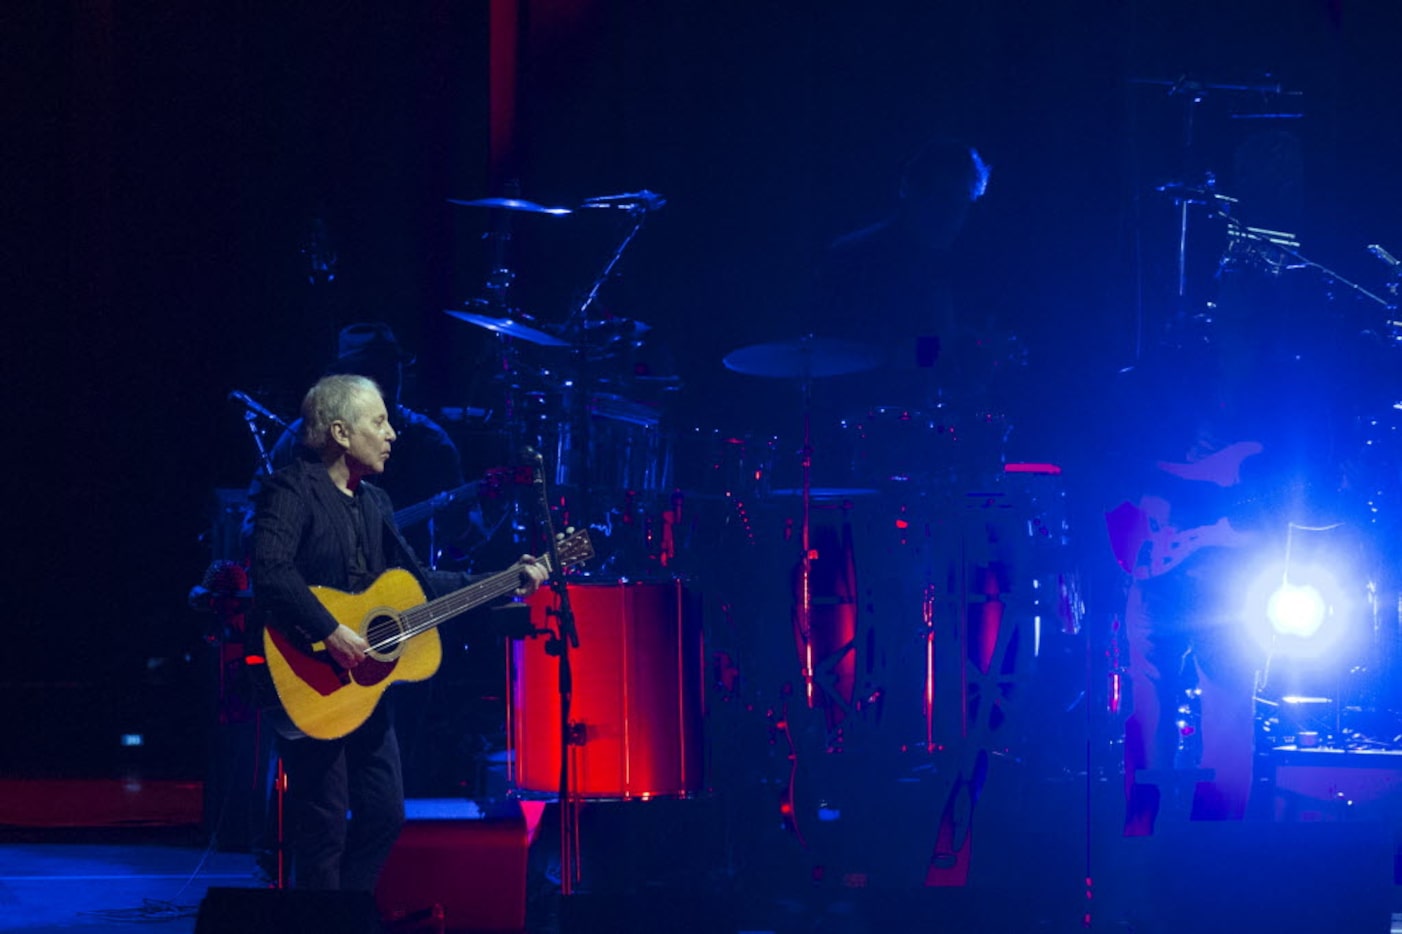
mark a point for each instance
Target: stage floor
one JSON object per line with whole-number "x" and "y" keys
{"x": 140, "y": 880}
{"x": 1045, "y": 857}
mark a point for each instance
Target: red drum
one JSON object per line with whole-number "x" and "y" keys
{"x": 637, "y": 694}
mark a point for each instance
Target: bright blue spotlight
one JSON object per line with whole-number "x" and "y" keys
{"x": 1301, "y": 612}
{"x": 1296, "y": 610}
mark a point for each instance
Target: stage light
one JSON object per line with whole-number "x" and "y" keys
{"x": 1304, "y": 612}
{"x": 1296, "y": 610}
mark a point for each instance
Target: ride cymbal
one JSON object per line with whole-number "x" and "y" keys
{"x": 803, "y": 358}
{"x": 511, "y": 204}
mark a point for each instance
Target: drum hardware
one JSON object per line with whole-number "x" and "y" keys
{"x": 1274, "y": 251}
{"x": 589, "y": 429}
{"x": 1392, "y": 287}
{"x": 632, "y": 201}
{"x": 602, "y": 442}
{"x": 512, "y": 204}
{"x": 804, "y": 358}
{"x": 1384, "y": 256}
{"x": 1192, "y": 93}
{"x": 508, "y": 327}
{"x": 638, "y": 205}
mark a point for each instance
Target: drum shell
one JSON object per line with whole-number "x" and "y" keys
{"x": 607, "y": 444}
{"x": 889, "y": 447}
{"x": 713, "y": 464}
{"x": 637, "y": 697}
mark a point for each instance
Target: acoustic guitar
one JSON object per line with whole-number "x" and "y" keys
{"x": 325, "y": 701}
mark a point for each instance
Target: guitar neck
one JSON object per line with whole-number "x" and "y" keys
{"x": 428, "y": 615}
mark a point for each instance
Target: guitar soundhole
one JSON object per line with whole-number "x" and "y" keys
{"x": 383, "y": 634}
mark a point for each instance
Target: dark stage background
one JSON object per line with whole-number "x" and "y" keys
{"x": 165, "y": 163}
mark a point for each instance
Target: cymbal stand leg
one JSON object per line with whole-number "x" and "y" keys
{"x": 805, "y": 562}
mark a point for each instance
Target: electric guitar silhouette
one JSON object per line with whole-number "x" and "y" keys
{"x": 1143, "y": 537}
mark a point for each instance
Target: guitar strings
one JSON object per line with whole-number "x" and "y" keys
{"x": 424, "y": 617}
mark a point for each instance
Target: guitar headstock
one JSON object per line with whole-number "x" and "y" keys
{"x": 574, "y": 548}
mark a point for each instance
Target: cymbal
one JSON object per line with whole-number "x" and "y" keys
{"x": 803, "y": 358}
{"x": 508, "y": 328}
{"x": 511, "y": 204}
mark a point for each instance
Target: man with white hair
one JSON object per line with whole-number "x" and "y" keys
{"x": 318, "y": 522}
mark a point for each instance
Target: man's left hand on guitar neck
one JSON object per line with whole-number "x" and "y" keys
{"x": 533, "y": 574}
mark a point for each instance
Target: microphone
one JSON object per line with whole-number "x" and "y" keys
{"x": 629, "y": 201}
{"x": 252, "y": 405}
{"x": 223, "y": 580}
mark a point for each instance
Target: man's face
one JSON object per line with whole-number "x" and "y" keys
{"x": 367, "y": 438}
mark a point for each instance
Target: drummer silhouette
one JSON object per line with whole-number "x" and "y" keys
{"x": 909, "y": 629}
{"x": 895, "y": 283}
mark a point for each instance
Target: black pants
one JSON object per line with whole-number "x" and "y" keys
{"x": 360, "y": 774}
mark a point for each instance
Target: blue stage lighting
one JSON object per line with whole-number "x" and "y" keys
{"x": 1305, "y": 613}
{"x": 1296, "y": 610}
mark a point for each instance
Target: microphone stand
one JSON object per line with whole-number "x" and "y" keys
{"x": 256, "y": 417}
{"x": 566, "y": 638}
{"x": 265, "y": 456}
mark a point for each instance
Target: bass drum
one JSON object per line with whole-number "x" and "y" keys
{"x": 636, "y": 708}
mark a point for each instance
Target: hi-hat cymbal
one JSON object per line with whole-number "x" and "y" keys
{"x": 511, "y": 204}
{"x": 508, "y": 327}
{"x": 803, "y": 358}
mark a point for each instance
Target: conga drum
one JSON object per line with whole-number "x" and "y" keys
{"x": 637, "y": 702}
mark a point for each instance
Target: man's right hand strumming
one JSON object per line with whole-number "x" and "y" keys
{"x": 347, "y": 647}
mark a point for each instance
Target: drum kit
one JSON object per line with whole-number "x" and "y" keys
{"x": 889, "y": 531}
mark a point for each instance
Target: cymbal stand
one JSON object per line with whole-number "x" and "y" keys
{"x": 639, "y": 215}
{"x": 506, "y": 358}
{"x": 576, "y": 324}
{"x": 804, "y": 611}
{"x": 1193, "y": 93}
{"x": 1278, "y": 250}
